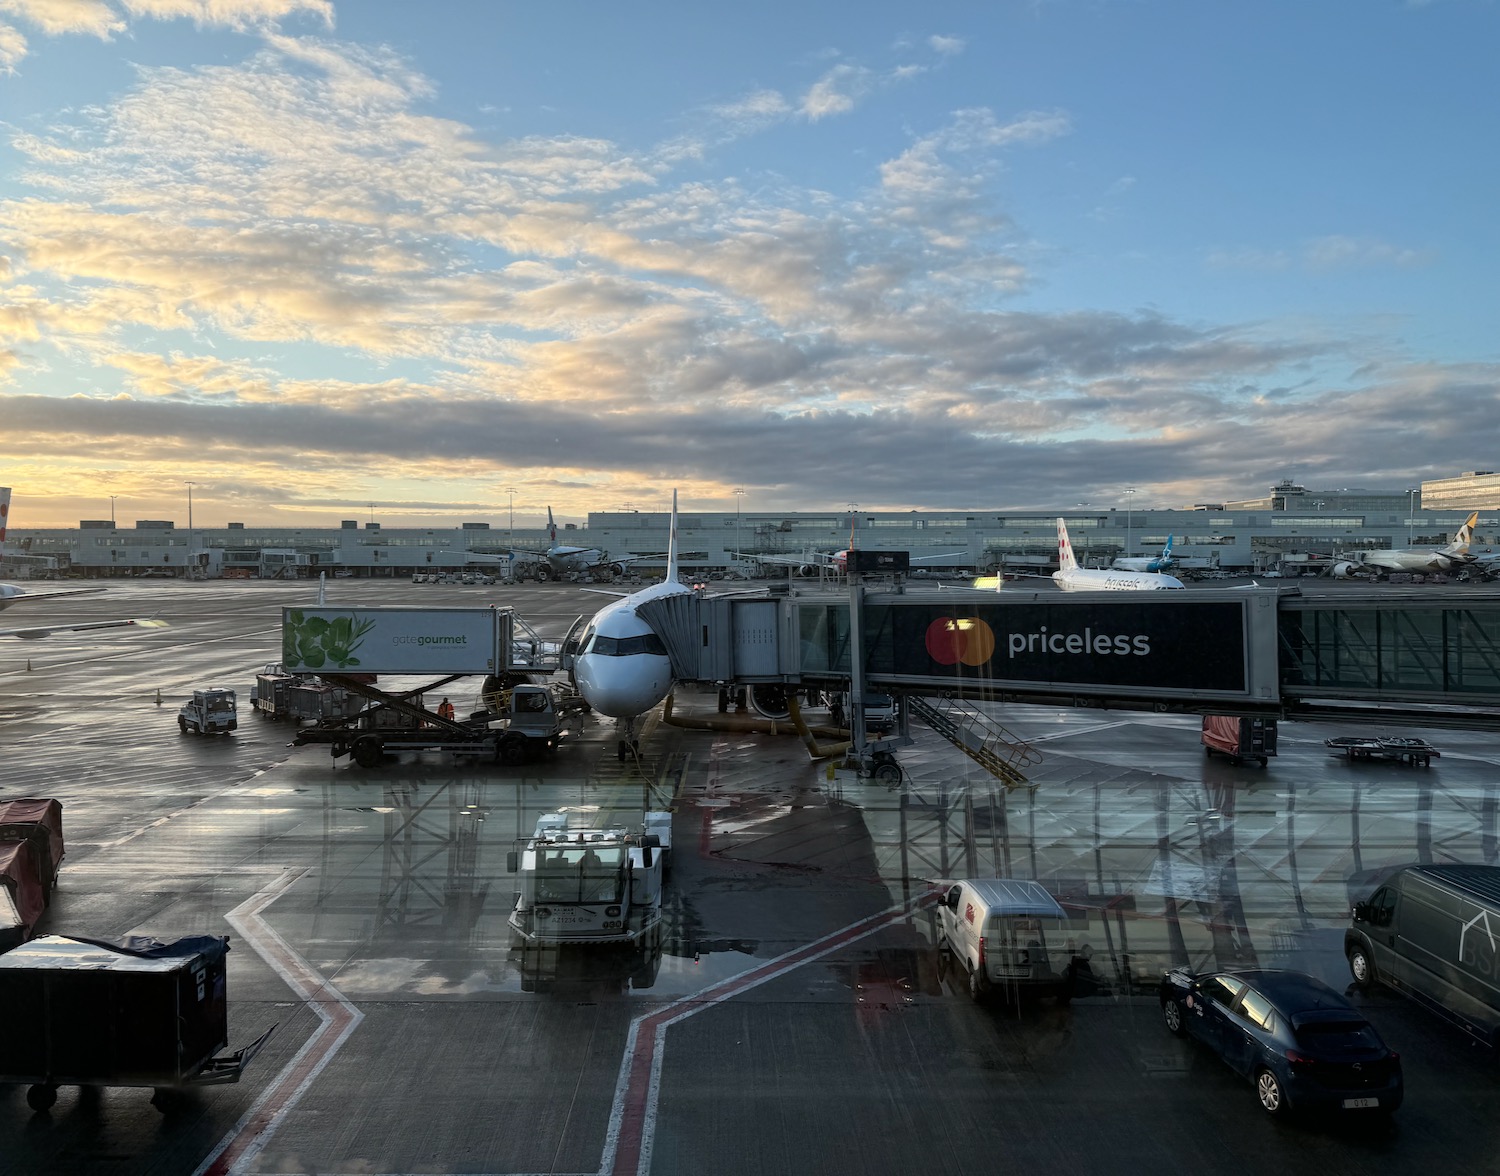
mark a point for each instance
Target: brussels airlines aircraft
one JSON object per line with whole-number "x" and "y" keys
{"x": 11, "y": 594}
{"x": 621, "y": 668}
{"x": 1072, "y": 578}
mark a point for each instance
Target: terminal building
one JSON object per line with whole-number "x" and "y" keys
{"x": 1287, "y": 530}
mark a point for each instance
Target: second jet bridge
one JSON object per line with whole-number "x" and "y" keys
{"x": 1268, "y": 651}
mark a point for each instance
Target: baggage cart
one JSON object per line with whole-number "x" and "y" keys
{"x": 1240, "y": 737}
{"x": 131, "y": 1012}
{"x": 38, "y": 822}
{"x": 1417, "y": 753}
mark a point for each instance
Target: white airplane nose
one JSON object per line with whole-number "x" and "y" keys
{"x": 623, "y": 687}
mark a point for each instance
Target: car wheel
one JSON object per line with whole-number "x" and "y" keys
{"x": 1360, "y": 967}
{"x": 1171, "y": 1014}
{"x": 978, "y": 988}
{"x": 1268, "y": 1090}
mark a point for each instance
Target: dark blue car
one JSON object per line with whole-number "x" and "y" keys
{"x": 1304, "y": 1046}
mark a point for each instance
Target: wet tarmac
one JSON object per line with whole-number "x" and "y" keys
{"x": 797, "y": 1017}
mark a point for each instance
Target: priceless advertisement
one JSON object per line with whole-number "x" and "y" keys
{"x": 390, "y": 640}
{"x": 1176, "y": 646}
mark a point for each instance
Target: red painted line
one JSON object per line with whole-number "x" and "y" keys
{"x": 638, "y": 1103}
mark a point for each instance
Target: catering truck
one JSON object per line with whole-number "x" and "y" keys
{"x": 582, "y": 879}
{"x": 345, "y": 647}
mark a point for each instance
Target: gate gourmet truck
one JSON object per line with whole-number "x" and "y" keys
{"x": 578, "y": 883}
{"x": 343, "y": 646}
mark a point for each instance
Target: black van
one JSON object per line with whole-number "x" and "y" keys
{"x": 1433, "y": 933}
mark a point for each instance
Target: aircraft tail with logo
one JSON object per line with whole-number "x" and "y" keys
{"x": 1459, "y": 546}
{"x": 551, "y": 528}
{"x": 4, "y": 510}
{"x": 1065, "y": 560}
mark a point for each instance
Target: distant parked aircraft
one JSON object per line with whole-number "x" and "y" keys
{"x": 1147, "y": 563}
{"x": 1414, "y": 559}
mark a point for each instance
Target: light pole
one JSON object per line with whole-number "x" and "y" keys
{"x": 853, "y": 507}
{"x": 1128, "y": 495}
{"x": 191, "y": 539}
{"x": 511, "y": 533}
{"x": 739, "y": 497}
{"x": 112, "y": 498}
{"x": 1411, "y": 498}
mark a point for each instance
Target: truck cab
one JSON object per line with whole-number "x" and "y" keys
{"x": 208, "y": 712}
{"x": 578, "y": 882}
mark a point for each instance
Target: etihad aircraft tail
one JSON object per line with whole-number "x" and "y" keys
{"x": 672, "y": 543}
{"x": 1459, "y": 546}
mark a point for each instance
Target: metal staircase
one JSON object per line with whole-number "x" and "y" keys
{"x": 978, "y": 736}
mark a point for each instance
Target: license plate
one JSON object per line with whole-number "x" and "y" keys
{"x": 1356, "y": 1103}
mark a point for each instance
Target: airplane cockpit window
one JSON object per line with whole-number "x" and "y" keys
{"x": 627, "y": 646}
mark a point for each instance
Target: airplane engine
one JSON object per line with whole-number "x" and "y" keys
{"x": 807, "y": 570}
{"x": 619, "y": 569}
{"x": 1343, "y": 569}
{"x": 770, "y": 699}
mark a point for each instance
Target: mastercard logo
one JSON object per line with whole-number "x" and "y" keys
{"x": 951, "y": 640}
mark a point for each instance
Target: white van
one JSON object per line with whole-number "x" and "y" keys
{"x": 1010, "y": 934}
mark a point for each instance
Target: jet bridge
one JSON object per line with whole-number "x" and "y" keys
{"x": 1429, "y": 658}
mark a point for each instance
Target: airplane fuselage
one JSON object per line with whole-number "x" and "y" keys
{"x": 622, "y": 669}
{"x": 1092, "y": 580}
{"x": 1408, "y": 560}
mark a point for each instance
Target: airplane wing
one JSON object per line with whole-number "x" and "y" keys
{"x": 605, "y": 592}
{"x": 39, "y": 631}
{"x": 916, "y": 559}
{"x": 21, "y": 595}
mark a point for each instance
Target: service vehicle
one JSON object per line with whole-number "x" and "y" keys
{"x": 1010, "y": 936}
{"x": 528, "y": 725}
{"x": 208, "y": 712}
{"x": 1302, "y": 1044}
{"x": 1430, "y": 932}
{"x": 1240, "y": 737}
{"x": 583, "y": 881}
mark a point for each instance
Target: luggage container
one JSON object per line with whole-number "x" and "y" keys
{"x": 1239, "y": 737}
{"x": 133, "y": 1012}
{"x": 24, "y": 898}
{"x": 38, "y": 823}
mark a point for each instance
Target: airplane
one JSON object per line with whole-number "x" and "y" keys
{"x": 1146, "y": 563}
{"x": 1413, "y": 559}
{"x": 561, "y": 560}
{"x": 621, "y": 668}
{"x": 13, "y": 594}
{"x": 1072, "y": 578}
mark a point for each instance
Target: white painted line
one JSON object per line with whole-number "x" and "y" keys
{"x": 339, "y": 1018}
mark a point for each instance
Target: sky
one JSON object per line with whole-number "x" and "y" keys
{"x": 433, "y": 263}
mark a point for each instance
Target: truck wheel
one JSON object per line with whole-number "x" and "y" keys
{"x": 181, "y": 725}
{"x": 368, "y": 751}
{"x": 40, "y": 1096}
{"x": 1361, "y": 967}
{"x": 1265, "y": 761}
{"x": 512, "y": 753}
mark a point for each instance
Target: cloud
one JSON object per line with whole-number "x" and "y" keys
{"x": 566, "y": 311}
{"x": 835, "y": 92}
{"x": 55, "y": 17}
{"x": 1323, "y": 253}
{"x": 233, "y": 14}
{"x": 12, "y": 48}
{"x": 1340, "y": 252}
{"x": 947, "y": 46}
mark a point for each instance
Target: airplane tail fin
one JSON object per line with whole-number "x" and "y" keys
{"x": 672, "y": 543}
{"x": 1166, "y": 552}
{"x": 1460, "y": 542}
{"x": 4, "y": 510}
{"x": 551, "y": 528}
{"x": 1065, "y": 560}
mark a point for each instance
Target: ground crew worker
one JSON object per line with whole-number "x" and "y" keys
{"x": 445, "y": 710}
